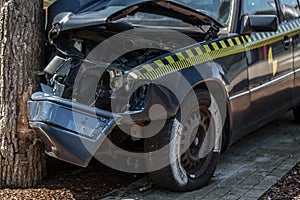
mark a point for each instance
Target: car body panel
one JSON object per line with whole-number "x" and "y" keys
{"x": 296, "y": 91}
{"x": 271, "y": 72}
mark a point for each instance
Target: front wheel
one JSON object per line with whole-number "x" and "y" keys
{"x": 193, "y": 144}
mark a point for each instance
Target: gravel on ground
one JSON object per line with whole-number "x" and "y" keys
{"x": 286, "y": 188}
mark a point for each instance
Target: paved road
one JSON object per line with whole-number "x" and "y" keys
{"x": 247, "y": 170}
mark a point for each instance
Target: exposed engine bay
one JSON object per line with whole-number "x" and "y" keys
{"x": 71, "y": 51}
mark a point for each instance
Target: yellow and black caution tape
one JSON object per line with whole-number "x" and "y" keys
{"x": 202, "y": 53}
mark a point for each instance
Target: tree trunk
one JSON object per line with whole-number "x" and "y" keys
{"x": 22, "y": 161}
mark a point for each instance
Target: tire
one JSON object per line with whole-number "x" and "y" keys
{"x": 193, "y": 142}
{"x": 296, "y": 113}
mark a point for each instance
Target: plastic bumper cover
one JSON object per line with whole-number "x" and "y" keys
{"x": 70, "y": 131}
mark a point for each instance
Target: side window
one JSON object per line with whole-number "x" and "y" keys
{"x": 290, "y": 9}
{"x": 260, "y": 7}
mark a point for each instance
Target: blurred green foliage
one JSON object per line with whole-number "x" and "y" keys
{"x": 48, "y": 2}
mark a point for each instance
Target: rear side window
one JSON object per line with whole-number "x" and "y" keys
{"x": 290, "y": 9}
{"x": 260, "y": 7}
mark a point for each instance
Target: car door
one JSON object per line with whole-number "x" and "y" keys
{"x": 291, "y": 13}
{"x": 270, "y": 64}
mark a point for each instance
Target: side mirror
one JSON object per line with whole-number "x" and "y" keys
{"x": 259, "y": 23}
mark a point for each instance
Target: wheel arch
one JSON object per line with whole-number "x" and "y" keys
{"x": 216, "y": 86}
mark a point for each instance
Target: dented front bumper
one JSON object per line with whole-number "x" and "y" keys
{"x": 70, "y": 131}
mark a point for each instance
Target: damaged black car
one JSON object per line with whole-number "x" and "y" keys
{"x": 164, "y": 86}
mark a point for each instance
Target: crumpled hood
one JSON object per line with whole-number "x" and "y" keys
{"x": 72, "y": 14}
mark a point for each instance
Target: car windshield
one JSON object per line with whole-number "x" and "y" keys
{"x": 217, "y": 9}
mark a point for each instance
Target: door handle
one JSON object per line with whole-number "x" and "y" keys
{"x": 287, "y": 41}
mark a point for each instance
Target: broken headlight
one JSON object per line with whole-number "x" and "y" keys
{"x": 130, "y": 90}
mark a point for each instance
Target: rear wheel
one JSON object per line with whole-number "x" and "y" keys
{"x": 193, "y": 140}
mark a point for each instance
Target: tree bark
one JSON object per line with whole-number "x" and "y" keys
{"x": 22, "y": 161}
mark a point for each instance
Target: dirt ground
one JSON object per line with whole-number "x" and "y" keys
{"x": 66, "y": 181}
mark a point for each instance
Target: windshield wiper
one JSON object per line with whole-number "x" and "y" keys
{"x": 211, "y": 33}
